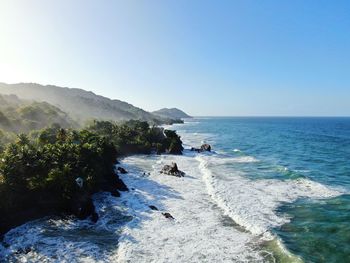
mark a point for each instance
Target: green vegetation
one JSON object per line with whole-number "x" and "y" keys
{"x": 91, "y": 106}
{"x": 40, "y": 175}
{"x": 172, "y": 113}
{"x": 20, "y": 116}
{"x": 43, "y": 152}
{"x": 138, "y": 137}
{"x": 38, "y": 171}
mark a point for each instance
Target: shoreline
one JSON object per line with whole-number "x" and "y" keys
{"x": 203, "y": 229}
{"x": 237, "y": 242}
{"x": 60, "y": 169}
{"x": 138, "y": 207}
{"x": 199, "y": 226}
{"x": 84, "y": 203}
{"x": 145, "y": 234}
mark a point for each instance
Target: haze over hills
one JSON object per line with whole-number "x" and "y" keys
{"x": 172, "y": 113}
{"x": 82, "y": 105}
{"x": 17, "y": 115}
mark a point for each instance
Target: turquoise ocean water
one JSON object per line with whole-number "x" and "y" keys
{"x": 284, "y": 151}
{"x": 285, "y": 183}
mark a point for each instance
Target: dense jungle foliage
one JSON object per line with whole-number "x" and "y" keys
{"x": 38, "y": 170}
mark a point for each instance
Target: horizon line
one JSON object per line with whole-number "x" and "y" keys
{"x": 270, "y": 116}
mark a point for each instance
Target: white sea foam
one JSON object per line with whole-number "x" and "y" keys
{"x": 201, "y": 203}
{"x": 191, "y": 122}
{"x": 197, "y": 234}
{"x": 244, "y": 159}
{"x": 68, "y": 240}
{"x": 2, "y": 250}
{"x": 190, "y": 139}
{"x": 220, "y": 159}
{"x": 253, "y": 203}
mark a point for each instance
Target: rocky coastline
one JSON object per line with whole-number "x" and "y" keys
{"x": 81, "y": 205}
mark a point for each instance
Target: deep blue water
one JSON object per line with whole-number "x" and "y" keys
{"x": 289, "y": 148}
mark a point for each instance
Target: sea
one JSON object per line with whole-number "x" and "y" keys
{"x": 273, "y": 189}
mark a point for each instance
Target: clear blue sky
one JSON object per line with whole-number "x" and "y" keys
{"x": 206, "y": 57}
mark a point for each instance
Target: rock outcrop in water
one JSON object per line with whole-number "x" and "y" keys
{"x": 122, "y": 170}
{"x": 57, "y": 167}
{"x": 204, "y": 148}
{"x": 173, "y": 142}
{"x": 57, "y": 171}
{"x": 172, "y": 170}
{"x": 153, "y": 207}
{"x": 168, "y": 215}
{"x": 113, "y": 185}
{"x": 82, "y": 206}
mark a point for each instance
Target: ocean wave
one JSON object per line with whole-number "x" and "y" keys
{"x": 128, "y": 231}
{"x": 196, "y": 235}
{"x": 253, "y": 203}
{"x": 195, "y": 139}
{"x": 191, "y": 122}
{"x": 68, "y": 240}
{"x": 220, "y": 159}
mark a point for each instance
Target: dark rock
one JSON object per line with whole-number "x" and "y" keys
{"x": 94, "y": 217}
{"x": 168, "y": 215}
{"x": 17, "y": 217}
{"x": 153, "y": 207}
{"x": 173, "y": 142}
{"x": 115, "y": 193}
{"x": 118, "y": 183}
{"x": 172, "y": 170}
{"x": 82, "y": 206}
{"x": 204, "y": 148}
{"x": 122, "y": 170}
{"x": 195, "y": 149}
{"x": 25, "y": 250}
{"x": 112, "y": 184}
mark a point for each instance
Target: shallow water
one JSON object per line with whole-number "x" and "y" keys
{"x": 286, "y": 176}
{"x": 319, "y": 231}
{"x": 273, "y": 190}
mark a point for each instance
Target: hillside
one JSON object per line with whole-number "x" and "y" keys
{"x": 21, "y": 116}
{"x": 172, "y": 113}
{"x": 80, "y": 104}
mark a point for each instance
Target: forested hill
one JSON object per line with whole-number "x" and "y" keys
{"x": 80, "y": 104}
{"x": 172, "y": 113}
{"x": 22, "y": 116}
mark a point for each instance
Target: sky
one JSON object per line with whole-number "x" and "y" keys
{"x": 209, "y": 58}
